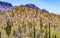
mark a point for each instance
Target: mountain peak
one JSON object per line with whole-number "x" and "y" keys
{"x": 4, "y": 6}
{"x": 32, "y": 6}
{"x": 44, "y": 10}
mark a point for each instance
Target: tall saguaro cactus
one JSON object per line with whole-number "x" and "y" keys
{"x": 30, "y": 31}
{"x": 49, "y": 30}
{"x": 41, "y": 25}
{"x": 0, "y": 34}
{"x": 34, "y": 31}
{"x": 20, "y": 31}
{"x": 46, "y": 31}
{"x": 55, "y": 36}
{"x": 8, "y": 28}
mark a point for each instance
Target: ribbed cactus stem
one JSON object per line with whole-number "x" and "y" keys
{"x": 41, "y": 25}
{"x": 34, "y": 31}
{"x": 49, "y": 30}
{"x": 0, "y": 34}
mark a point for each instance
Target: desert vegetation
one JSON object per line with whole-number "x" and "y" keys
{"x": 24, "y": 22}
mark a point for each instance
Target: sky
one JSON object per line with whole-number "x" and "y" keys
{"x": 53, "y": 6}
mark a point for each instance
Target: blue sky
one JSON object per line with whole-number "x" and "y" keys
{"x": 52, "y": 6}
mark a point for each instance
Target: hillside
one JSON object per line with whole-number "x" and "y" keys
{"x": 24, "y": 22}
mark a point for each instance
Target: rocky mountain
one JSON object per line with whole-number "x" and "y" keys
{"x": 32, "y": 6}
{"x": 35, "y": 7}
{"x": 4, "y": 6}
{"x": 24, "y": 22}
{"x": 44, "y": 10}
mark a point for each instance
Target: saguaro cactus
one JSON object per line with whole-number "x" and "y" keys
{"x": 55, "y": 36}
{"x": 49, "y": 30}
{"x": 8, "y": 28}
{"x": 20, "y": 31}
{"x": 41, "y": 25}
{"x": 34, "y": 31}
{"x": 0, "y": 34}
{"x": 46, "y": 31}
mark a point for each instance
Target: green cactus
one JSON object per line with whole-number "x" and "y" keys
{"x": 41, "y": 25}
{"x": 8, "y": 28}
{"x": 49, "y": 30}
{"x": 34, "y": 31}
{"x": 46, "y": 31}
{"x": 55, "y": 36}
{"x": 0, "y": 34}
{"x": 20, "y": 31}
{"x": 24, "y": 27}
